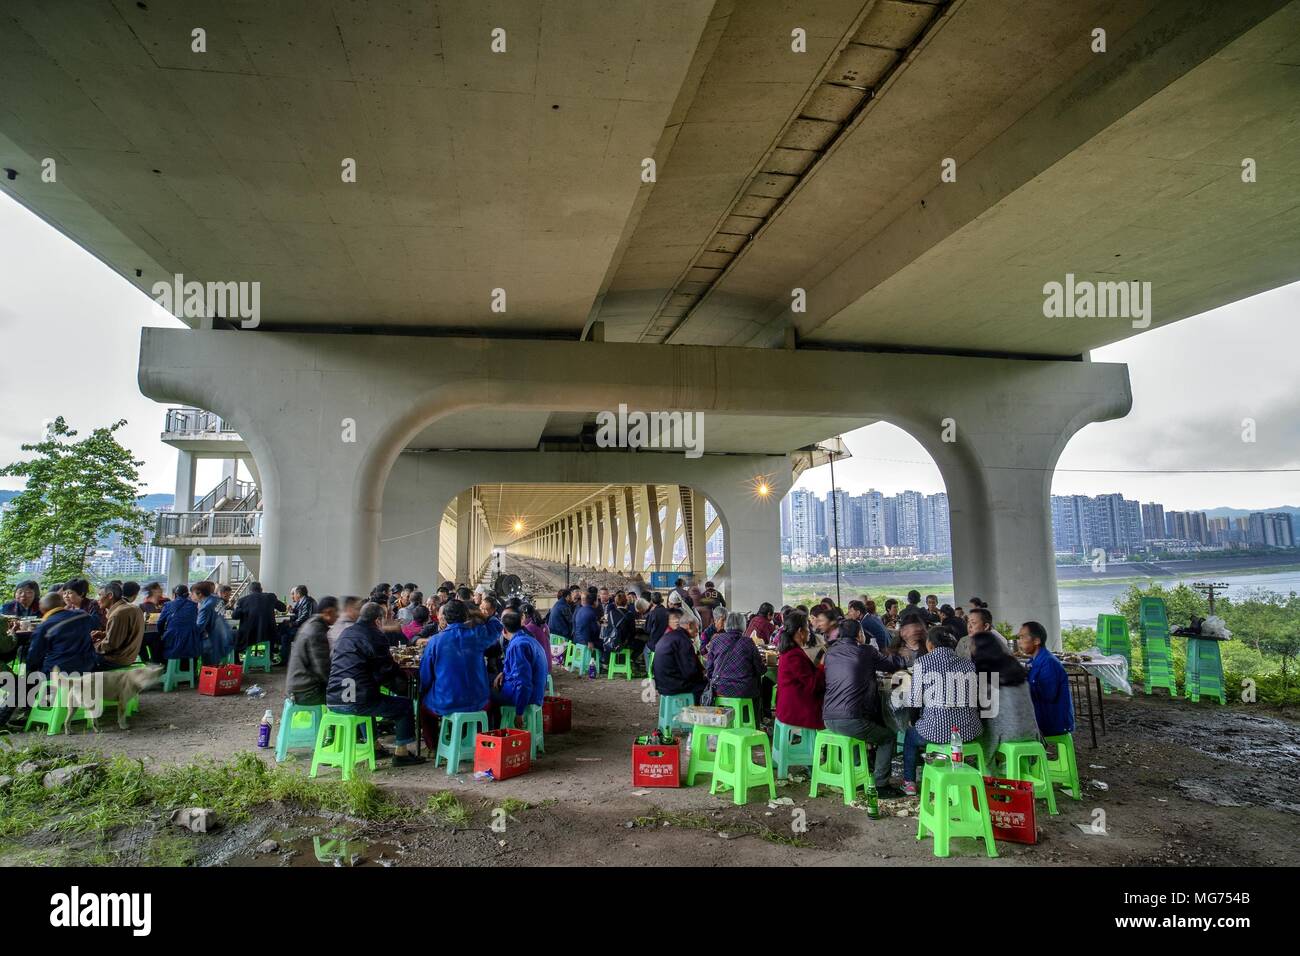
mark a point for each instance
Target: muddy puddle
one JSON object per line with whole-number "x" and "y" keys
{"x": 1265, "y": 748}
{"x": 305, "y": 842}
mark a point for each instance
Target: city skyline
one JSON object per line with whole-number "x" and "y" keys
{"x": 911, "y": 523}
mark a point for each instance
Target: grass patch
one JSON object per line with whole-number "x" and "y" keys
{"x": 514, "y": 805}
{"x": 447, "y": 806}
{"x": 122, "y": 792}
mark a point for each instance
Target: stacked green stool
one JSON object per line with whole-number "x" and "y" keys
{"x": 734, "y": 768}
{"x": 1157, "y": 658}
{"x": 1112, "y": 639}
{"x": 954, "y": 804}
{"x": 1204, "y": 673}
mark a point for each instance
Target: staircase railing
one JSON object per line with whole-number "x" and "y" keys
{"x": 210, "y": 524}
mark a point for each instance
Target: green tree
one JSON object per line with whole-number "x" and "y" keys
{"x": 1270, "y": 623}
{"x": 76, "y": 493}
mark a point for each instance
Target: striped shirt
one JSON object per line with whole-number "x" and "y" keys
{"x": 944, "y": 687}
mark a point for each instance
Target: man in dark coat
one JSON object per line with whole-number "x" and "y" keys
{"x": 309, "y": 660}
{"x": 255, "y": 613}
{"x": 303, "y": 607}
{"x": 360, "y": 665}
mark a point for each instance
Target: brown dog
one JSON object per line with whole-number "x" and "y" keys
{"x": 91, "y": 690}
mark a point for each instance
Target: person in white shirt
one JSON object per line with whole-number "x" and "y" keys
{"x": 979, "y": 621}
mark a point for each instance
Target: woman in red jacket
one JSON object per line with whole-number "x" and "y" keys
{"x": 800, "y": 684}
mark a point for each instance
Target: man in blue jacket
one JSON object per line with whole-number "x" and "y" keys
{"x": 1049, "y": 685}
{"x": 523, "y": 681}
{"x": 453, "y": 672}
{"x": 586, "y": 627}
{"x": 560, "y": 621}
{"x": 360, "y": 665}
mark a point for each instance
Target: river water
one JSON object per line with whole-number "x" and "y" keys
{"x": 1080, "y": 603}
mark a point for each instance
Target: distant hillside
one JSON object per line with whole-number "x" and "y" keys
{"x": 1291, "y": 510}
{"x": 148, "y": 502}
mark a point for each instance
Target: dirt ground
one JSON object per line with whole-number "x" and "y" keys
{"x": 1184, "y": 784}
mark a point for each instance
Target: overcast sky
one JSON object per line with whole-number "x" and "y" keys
{"x": 76, "y": 324}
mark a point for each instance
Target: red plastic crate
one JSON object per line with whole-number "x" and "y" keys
{"x": 221, "y": 681}
{"x": 557, "y": 715}
{"x": 1011, "y": 805}
{"x": 507, "y": 753}
{"x": 656, "y": 765}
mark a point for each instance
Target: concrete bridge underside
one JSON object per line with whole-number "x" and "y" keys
{"x": 334, "y": 423}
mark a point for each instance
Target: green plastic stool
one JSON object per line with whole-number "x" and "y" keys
{"x": 734, "y": 768}
{"x": 742, "y": 711}
{"x": 842, "y": 763}
{"x": 550, "y": 686}
{"x": 968, "y": 750}
{"x": 650, "y": 666}
{"x": 954, "y": 804}
{"x": 1063, "y": 769}
{"x": 337, "y": 745}
{"x": 669, "y": 706}
{"x": 1026, "y": 760}
{"x": 253, "y": 657}
{"x": 620, "y": 663}
{"x": 703, "y": 758}
{"x": 54, "y": 715}
{"x": 294, "y": 731}
{"x": 175, "y": 674}
{"x": 579, "y": 659}
{"x": 532, "y": 724}
{"x": 456, "y": 736}
{"x": 792, "y": 747}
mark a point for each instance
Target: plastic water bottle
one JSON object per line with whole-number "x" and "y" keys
{"x": 264, "y": 730}
{"x": 956, "y": 747}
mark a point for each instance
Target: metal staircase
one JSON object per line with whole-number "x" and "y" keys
{"x": 230, "y": 515}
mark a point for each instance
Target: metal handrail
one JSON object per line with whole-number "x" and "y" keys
{"x": 208, "y": 524}
{"x": 195, "y": 421}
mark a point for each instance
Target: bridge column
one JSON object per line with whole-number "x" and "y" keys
{"x": 178, "y": 565}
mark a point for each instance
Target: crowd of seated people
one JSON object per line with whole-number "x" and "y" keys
{"x": 481, "y": 653}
